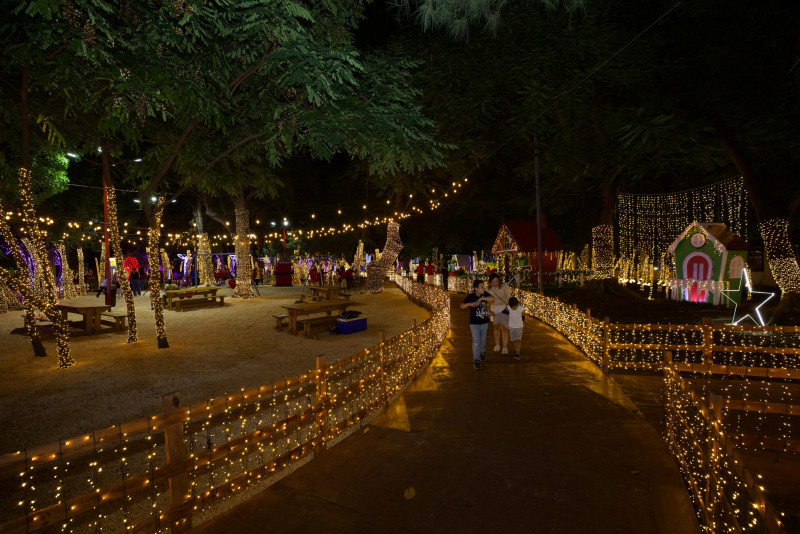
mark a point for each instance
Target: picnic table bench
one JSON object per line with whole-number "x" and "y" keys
{"x": 92, "y": 316}
{"x": 314, "y": 325}
{"x": 114, "y": 320}
{"x": 328, "y": 292}
{"x": 326, "y": 307}
{"x": 179, "y": 299}
{"x": 200, "y": 302}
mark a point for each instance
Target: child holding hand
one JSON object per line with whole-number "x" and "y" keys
{"x": 516, "y": 320}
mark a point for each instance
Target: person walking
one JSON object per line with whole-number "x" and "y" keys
{"x": 135, "y": 286}
{"x": 516, "y": 321}
{"x": 478, "y": 320}
{"x": 499, "y": 314}
{"x": 420, "y": 273}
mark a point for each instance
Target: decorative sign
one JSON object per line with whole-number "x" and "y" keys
{"x": 698, "y": 240}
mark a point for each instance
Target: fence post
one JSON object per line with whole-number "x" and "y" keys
{"x": 175, "y": 448}
{"x": 708, "y": 341}
{"x": 668, "y": 358}
{"x": 587, "y": 332}
{"x": 383, "y": 369}
{"x": 321, "y": 405}
{"x": 606, "y": 341}
{"x": 414, "y": 333}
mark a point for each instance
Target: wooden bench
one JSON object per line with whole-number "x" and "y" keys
{"x": 315, "y": 325}
{"x": 115, "y": 320}
{"x": 200, "y": 302}
{"x": 281, "y": 322}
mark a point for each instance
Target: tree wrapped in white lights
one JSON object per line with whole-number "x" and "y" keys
{"x": 48, "y": 301}
{"x": 113, "y": 229}
{"x": 243, "y": 271}
{"x": 67, "y": 287}
{"x": 376, "y": 271}
{"x": 205, "y": 267}
{"x": 82, "y": 290}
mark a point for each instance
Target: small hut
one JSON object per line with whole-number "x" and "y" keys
{"x": 709, "y": 259}
{"x": 516, "y": 246}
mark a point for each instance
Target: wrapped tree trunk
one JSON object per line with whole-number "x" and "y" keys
{"x": 376, "y": 270}
{"x": 243, "y": 270}
{"x": 67, "y": 287}
{"x": 123, "y": 280}
{"x": 603, "y": 250}
{"x": 778, "y": 250}
{"x": 43, "y": 275}
{"x": 82, "y": 290}
{"x": 205, "y": 267}
{"x": 153, "y": 238}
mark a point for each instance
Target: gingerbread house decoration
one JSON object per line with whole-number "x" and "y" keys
{"x": 516, "y": 247}
{"x": 709, "y": 259}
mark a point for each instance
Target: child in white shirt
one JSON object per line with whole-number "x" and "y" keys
{"x": 516, "y": 320}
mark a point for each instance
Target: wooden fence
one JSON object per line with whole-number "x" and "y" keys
{"x": 728, "y": 496}
{"x": 159, "y": 472}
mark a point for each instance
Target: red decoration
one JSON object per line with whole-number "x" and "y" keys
{"x": 232, "y": 283}
{"x": 130, "y": 263}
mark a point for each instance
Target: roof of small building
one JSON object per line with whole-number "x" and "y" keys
{"x": 523, "y": 232}
{"x": 719, "y": 233}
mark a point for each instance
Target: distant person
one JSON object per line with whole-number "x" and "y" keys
{"x": 516, "y": 321}
{"x": 478, "y": 320}
{"x": 501, "y": 294}
{"x": 420, "y": 274}
{"x": 313, "y": 274}
{"x": 445, "y": 276}
{"x": 136, "y": 282}
{"x": 103, "y": 284}
{"x": 430, "y": 272}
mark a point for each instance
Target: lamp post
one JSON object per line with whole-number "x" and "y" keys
{"x": 285, "y": 224}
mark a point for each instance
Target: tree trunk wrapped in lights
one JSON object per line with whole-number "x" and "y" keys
{"x": 166, "y": 264}
{"x": 603, "y": 250}
{"x": 376, "y": 271}
{"x": 778, "y": 249}
{"x": 243, "y": 271}
{"x": 205, "y": 267}
{"x": 101, "y": 267}
{"x": 48, "y": 303}
{"x": 67, "y": 286}
{"x": 153, "y": 238}
{"x": 123, "y": 279}
{"x": 82, "y": 290}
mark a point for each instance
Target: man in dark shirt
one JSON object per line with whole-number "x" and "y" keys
{"x": 478, "y": 319}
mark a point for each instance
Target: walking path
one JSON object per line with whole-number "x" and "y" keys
{"x": 547, "y": 444}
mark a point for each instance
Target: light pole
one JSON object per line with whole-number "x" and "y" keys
{"x": 285, "y": 224}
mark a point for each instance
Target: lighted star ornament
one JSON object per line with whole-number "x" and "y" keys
{"x": 749, "y": 286}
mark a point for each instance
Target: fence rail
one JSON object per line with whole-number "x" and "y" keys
{"x": 161, "y": 471}
{"x": 727, "y": 494}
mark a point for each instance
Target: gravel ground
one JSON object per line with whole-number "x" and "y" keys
{"x": 213, "y": 351}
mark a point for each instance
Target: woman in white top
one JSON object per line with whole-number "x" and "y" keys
{"x": 501, "y": 293}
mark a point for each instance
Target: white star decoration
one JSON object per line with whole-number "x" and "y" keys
{"x": 735, "y": 304}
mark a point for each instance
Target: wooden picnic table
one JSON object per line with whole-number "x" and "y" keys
{"x": 330, "y": 292}
{"x": 176, "y": 294}
{"x": 295, "y": 310}
{"x": 91, "y": 315}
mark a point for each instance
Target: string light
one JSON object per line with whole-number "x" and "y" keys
{"x": 781, "y": 258}
{"x": 153, "y": 238}
{"x": 122, "y": 277}
{"x": 603, "y": 250}
{"x": 234, "y": 442}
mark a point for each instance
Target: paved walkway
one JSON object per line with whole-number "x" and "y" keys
{"x": 544, "y": 445}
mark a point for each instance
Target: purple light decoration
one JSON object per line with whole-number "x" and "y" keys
{"x": 59, "y": 269}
